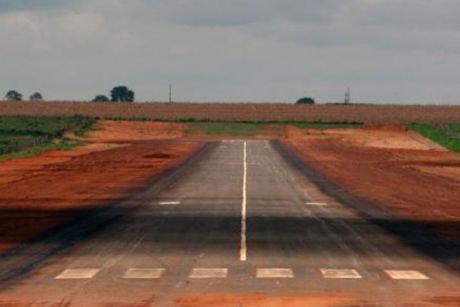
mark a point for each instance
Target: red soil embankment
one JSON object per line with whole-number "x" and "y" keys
{"x": 39, "y": 193}
{"x": 391, "y": 166}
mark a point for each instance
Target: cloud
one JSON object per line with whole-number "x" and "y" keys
{"x": 275, "y": 50}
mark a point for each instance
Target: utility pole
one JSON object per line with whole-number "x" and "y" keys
{"x": 348, "y": 96}
{"x": 170, "y": 93}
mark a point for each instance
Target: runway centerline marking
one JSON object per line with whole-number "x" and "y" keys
{"x": 145, "y": 273}
{"x": 243, "y": 247}
{"x": 340, "y": 274}
{"x": 400, "y": 274}
{"x": 78, "y": 274}
{"x": 274, "y": 273}
{"x": 199, "y": 273}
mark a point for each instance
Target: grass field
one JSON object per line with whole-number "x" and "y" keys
{"x": 28, "y": 136}
{"x": 447, "y": 135}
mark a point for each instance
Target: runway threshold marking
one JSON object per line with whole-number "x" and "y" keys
{"x": 145, "y": 273}
{"x": 400, "y": 274}
{"x": 200, "y": 273}
{"x": 243, "y": 247}
{"x": 78, "y": 274}
{"x": 274, "y": 273}
{"x": 340, "y": 274}
{"x": 316, "y": 204}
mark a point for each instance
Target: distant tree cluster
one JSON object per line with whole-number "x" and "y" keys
{"x": 306, "y": 100}
{"x": 117, "y": 94}
{"x": 16, "y": 96}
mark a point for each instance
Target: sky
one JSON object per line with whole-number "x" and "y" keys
{"x": 386, "y": 51}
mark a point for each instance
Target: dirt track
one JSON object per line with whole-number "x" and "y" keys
{"x": 392, "y": 167}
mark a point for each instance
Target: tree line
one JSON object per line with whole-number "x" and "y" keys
{"x": 117, "y": 94}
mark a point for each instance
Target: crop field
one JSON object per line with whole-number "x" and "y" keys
{"x": 240, "y": 112}
{"x": 23, "y": 132}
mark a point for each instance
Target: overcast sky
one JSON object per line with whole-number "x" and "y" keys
{"x": 400, "y": 51}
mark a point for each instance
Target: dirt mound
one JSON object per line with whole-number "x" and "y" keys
{"x": 392, "y": 169}
{"x": 377, "y": 136}
{"x": 43, "y": 192}
{"x": 128, "y": 131}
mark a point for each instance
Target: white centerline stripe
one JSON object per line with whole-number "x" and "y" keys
{"x": 243, "y": 248}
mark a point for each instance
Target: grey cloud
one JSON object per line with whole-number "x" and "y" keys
{"x": 232, "y": 50}
{"x": 21, "y": 5}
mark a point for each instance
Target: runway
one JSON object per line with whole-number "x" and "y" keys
{"x": 239, "y": 220}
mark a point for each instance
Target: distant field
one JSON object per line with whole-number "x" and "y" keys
{"x": 241, "y": 112}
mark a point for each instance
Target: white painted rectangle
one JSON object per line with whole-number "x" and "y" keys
{"x": 317, "y": 204}
{"x": 169, "y": 203}
{"x": 340, "y": 274}
{"x": 137, "y": 273}
{"x": 209, "y": 273}
{"x": 78, "y": 274}
{"x": 274, "y": 273}
{"x": 401, "y": 274}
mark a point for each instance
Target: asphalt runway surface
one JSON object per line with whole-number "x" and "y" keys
{"x": 238, "y": 220}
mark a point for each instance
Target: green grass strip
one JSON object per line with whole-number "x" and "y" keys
{"x": 431, "y": 132}
{"x": 38, "y": 150}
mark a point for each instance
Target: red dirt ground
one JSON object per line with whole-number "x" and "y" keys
{"x": 394, "y": 167}
{"x": 116, "y": 131}
{"x": 253, "y": 300}
{"x": 62, "y": 182}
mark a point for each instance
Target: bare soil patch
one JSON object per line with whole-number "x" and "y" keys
{"x": 387, "y": 165}
{"x": 250, "y": 300}
{"x": 39, "y": 193}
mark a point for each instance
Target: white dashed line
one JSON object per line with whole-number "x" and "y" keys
{"x": 316, "y": 204}
{"x": 275, "y": 273}
{"x": 78, "y": 274}
{"x": 135, "y": 273}
{"x": 209, "y": 273}
{"x": 243, "y": 247}
{"x": 399, "y": 274}
{"x": 169, "y": 203}
{"x": 340, "y": 274}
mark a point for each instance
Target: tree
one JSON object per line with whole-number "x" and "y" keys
{"x": 36, "y": 97}
{"x": 13, "y": 95}
{"x": 122, "y": 94}
{"x": 101, "y": 98}
{"x": 306, "y": 100}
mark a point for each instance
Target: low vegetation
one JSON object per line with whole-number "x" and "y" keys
{"x": 447, "y": 135}
{"x": 28, "y": 136}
